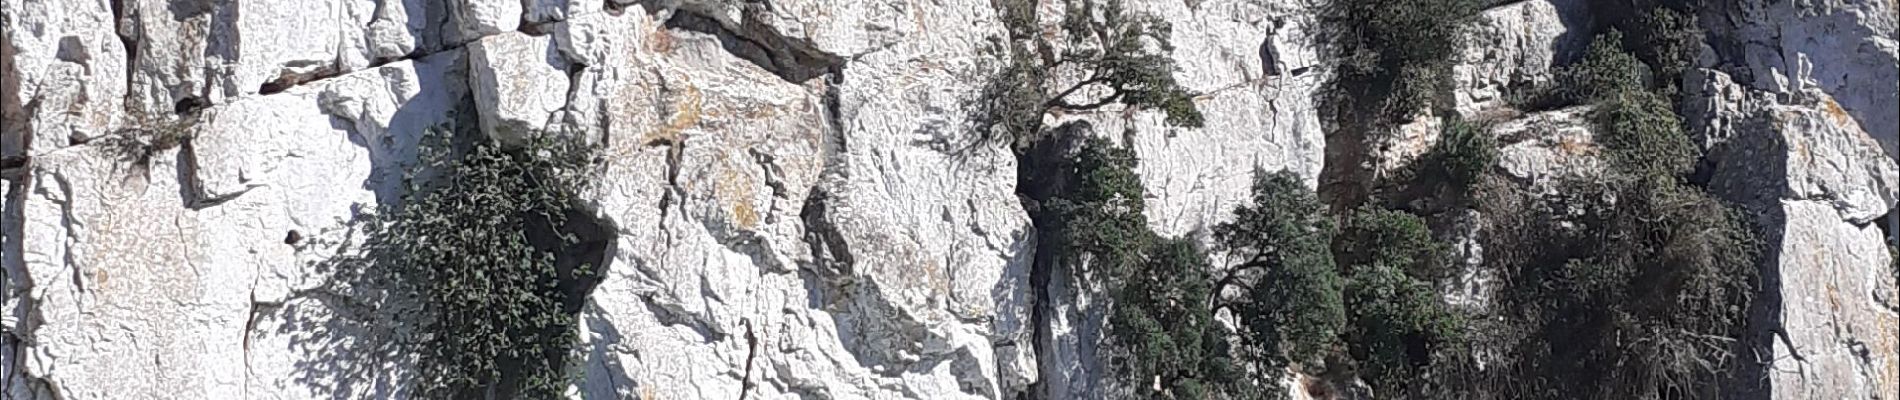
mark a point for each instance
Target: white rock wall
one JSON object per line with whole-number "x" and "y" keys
{"x": 1827, "y": 324}
{"x": 800, "y": 209}
{"x": 173, "y": 279}
{"x": 1846, "y": 48}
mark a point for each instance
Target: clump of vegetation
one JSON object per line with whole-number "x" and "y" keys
{"x": 1376, "y": 311}
{"x": 1667, "y": 41}
{"x": 1632, "y": 284}
{"x": 1101, "y": 213}
{"x": 1398, "y": 326}
{"x": 1163, "y": 324}
{"x": 1114, "y": 50}
{"x": 1293, "y": 308}
{"x": 1642, "y": 135}
{"x": 136, "y": 146}
{"x": 1642, "y": 299}
{"x": 1464, "y": 152}
{"x": 1606, "y": 70}
{"x": 1162, "y": 334}
{"x": 1393, "y": 55}
{"x": 474, "y": 249}
{"x": 1010, "y": 108}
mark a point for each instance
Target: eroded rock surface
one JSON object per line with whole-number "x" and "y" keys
{"x": 1824, "y": 326}
{"x": 801, "y": 205}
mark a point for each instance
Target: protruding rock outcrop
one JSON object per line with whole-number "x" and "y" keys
{"x": 1825, "y": 323}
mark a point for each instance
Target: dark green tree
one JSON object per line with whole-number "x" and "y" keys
{"x": 1398, "y": 323}
{"x": 1102, "y": 212}
{"x": 1293, "y": 310}
{"x": 1641, "y": 134}
{"x": 1393, "y": 55}
{"x": 1172, "y": 346}
{"x": 1127, "y": 54}
{"x": 1667, "y": 41}
{"x": 1394, "y": 238}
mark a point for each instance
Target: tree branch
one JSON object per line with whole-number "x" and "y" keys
{"x": 1056, "y": 101}
{"x": 1231, "y": 278}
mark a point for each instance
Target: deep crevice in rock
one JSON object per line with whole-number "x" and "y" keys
{"x": 795, "y": 61}
{"x": 829, "y": 250}
{"x": 1042, "y": 173}
{"x": 288, "y": 80}
{"x": 123, "y": 20}
{"x": 192, "y": 189}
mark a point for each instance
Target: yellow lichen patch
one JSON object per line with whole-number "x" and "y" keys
{"x": 1889, "y": 344}
{"x": 1835, "y": 112}
{"x": 1834, "y": 299}
{"x": 686, "y": 113}
{"x": 1573, "y": 146}
{"x": 737, "y": 189}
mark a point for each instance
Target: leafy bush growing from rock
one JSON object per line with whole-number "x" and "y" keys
{"x": 1163, "y": 323}
{"x": 1289, "y": 299}
{"x": 1162, "y": 336}
{"x": 1397, "y": 324}
{"x": 1464, "y": 152}
{"x": 1393, "y": 55}
{"x": 1642, "y": 135}
{"x": 1606, "y": 70}
{"x": 1649, "y": 298}
{"x": 475, "y": 250}
{"x": 1667, "y": 40}
{"x": 1101, "y": 213}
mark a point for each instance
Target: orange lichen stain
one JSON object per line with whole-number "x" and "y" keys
{"x": 1573, "y": 146}
{"x": 1835, "y": 112}
{"x": 686, "y": 113}
{"x": 738, "y": 187}
{"x": 660, "y": 40}
{"x": 1889, "y": 344}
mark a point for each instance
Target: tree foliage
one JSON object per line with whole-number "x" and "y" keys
{"x": 1107, "y": 55}
{"x": 1102, "y": 211}
{"x": 1163, "y": 325}
{"x": 1294, "y": 310}
{"x": 1392, "y": 55}
{"x": 1126, "y": 53}
{"x": 1163, "y": 339}
{"x": 494, "y": 308}
{"x": 1667, "y": 41}
{"x": 1398, "y": 323}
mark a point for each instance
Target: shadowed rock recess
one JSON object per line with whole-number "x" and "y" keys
{"x": 803, "y": 199}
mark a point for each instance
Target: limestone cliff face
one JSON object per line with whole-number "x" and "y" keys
{"x": 802, "y": 209}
